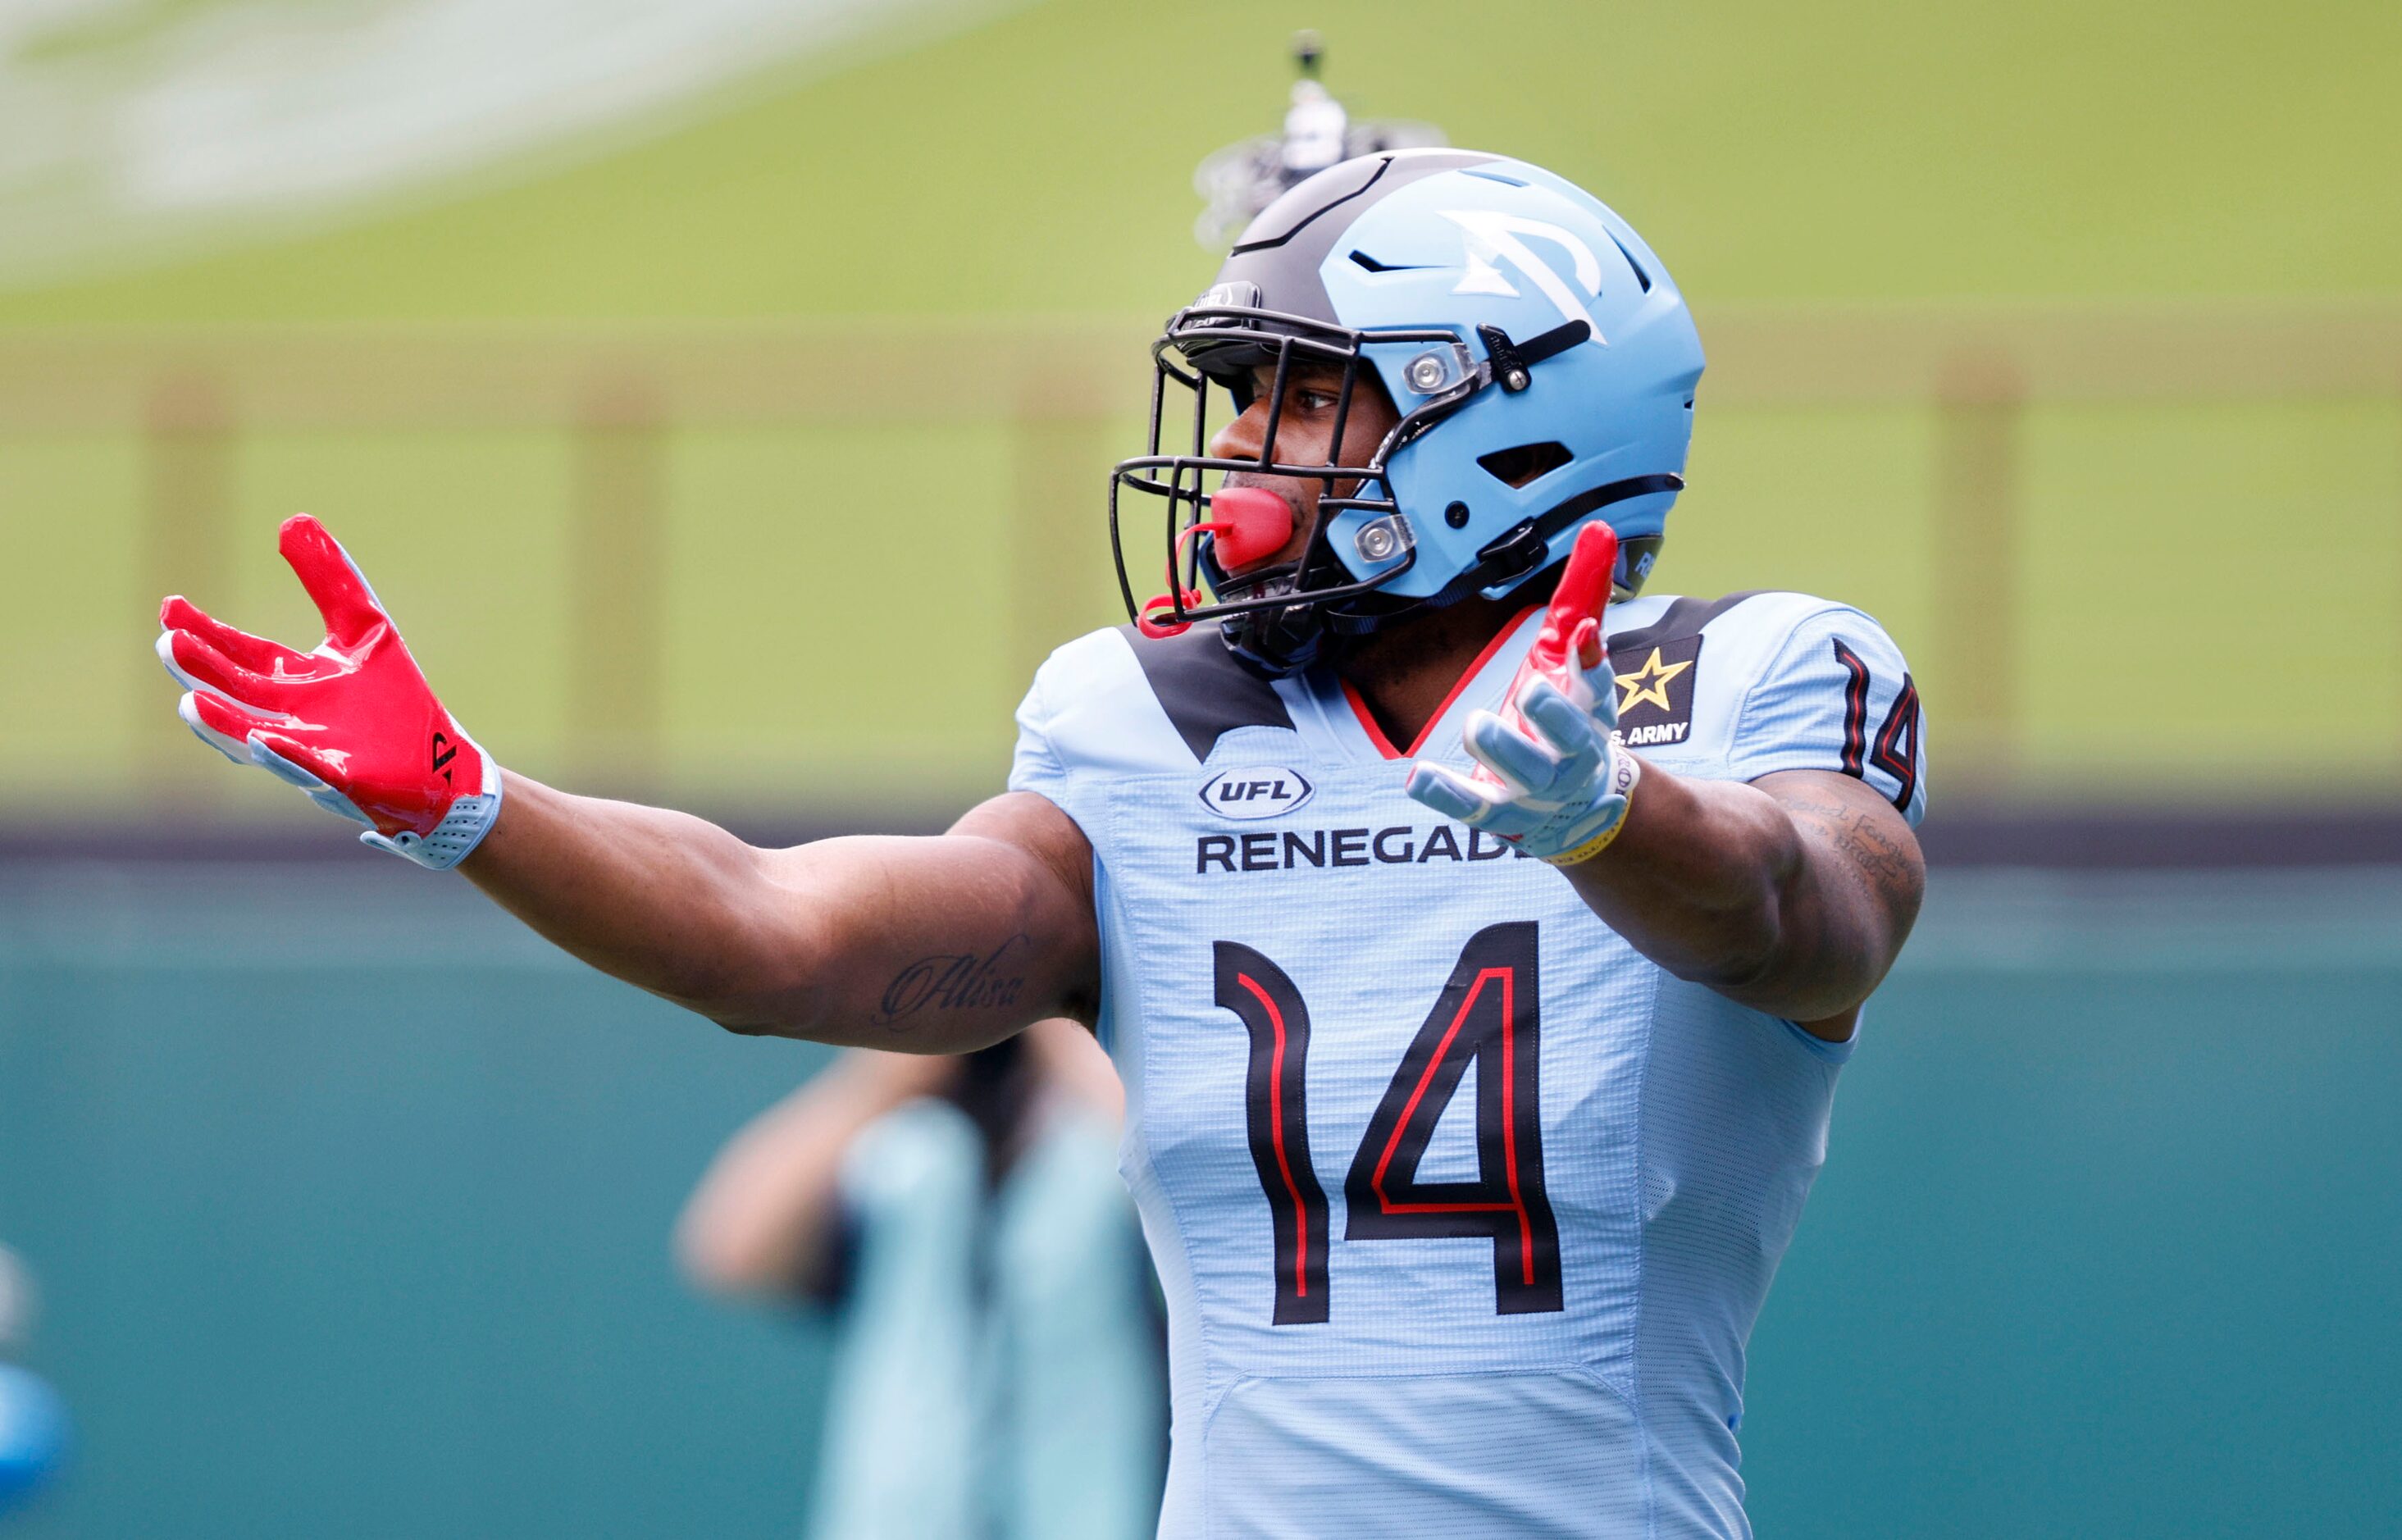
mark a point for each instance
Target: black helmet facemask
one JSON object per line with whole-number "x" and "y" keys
{"x": 1278, "y": 618}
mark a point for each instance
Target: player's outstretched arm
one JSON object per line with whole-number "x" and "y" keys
{"x": 934, "y": 945}
{"x": 1792, "y": 894}
{"x": 924, "y": 945}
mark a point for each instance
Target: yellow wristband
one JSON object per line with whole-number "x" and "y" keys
{"x": 1590, "y": 848}
{"x": 1626, "y": 772}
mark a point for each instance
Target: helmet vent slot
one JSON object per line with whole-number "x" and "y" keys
{"x": 1526, "y": 463}
{"x": 1640, "y": 276}
{"x": 1364, "y": 260}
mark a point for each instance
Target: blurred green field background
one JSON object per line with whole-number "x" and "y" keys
{"x": 1040, "y": 162}
{"x": 2181, "y": 565}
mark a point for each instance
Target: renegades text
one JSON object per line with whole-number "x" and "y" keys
{"x": 1281, "y": 850}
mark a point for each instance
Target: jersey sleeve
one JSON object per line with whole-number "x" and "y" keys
{"x": 1065, "y": 710}
{"x": 1034, "y": 765}
{"x": 1836, "y": 695}
{"x": 1040, "y": 763}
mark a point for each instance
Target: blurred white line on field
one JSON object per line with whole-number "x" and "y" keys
{"x": 122, "y": 120}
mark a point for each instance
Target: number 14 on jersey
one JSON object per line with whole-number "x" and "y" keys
{"x": 1487, "y": 1014}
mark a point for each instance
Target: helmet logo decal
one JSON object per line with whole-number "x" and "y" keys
{"x": 1229, "y": 296}
{"x": 1494, "y": 237}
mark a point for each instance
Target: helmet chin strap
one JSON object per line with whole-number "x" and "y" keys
{"x": 1274, "y": 642}
{"x": 1279, "y": 640}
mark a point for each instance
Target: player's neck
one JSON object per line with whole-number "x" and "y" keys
{"x": 1404, "y": 674}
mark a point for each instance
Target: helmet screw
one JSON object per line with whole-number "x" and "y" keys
{"x": 1457, "y": 516}
{"x": 1427, "y": 374}
{"x": 1375, "y": 542}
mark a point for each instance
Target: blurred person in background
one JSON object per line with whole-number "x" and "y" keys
{"x": 997, "y": 1371}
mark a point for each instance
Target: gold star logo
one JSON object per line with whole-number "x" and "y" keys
{"x": 1649, "y": 682}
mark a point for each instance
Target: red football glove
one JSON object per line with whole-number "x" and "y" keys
{"x": 352, "y": 722}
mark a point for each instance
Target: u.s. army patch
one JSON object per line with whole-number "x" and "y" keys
{"x": 1655, "y": 692}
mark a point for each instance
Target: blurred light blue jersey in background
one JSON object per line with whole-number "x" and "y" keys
{"x": 997, "y": 1368}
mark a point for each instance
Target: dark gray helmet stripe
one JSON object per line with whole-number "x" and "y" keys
{"x": 1285, "y": 265}
{"x": 1314, "y": 214}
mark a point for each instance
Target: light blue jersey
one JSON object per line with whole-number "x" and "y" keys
{"x": 1464, "y": 1209}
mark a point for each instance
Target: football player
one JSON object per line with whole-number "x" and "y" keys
{"x": 1479, "y": 937}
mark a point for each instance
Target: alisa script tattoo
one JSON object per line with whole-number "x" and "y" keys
{"x": 955, "y": 981}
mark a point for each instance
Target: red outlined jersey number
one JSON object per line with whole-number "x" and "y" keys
{"x": 1277, "y": 1019}
{"x": 1487, "y": 1014}
{"x": 1895, "y": 749}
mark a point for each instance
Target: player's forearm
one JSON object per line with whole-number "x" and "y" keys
{"x": 920, "y": 945}
{"x": 1718, "y": 883}
{"x": 1694, "y": 878}
{"x": 946, "y": 944}
{"x": 665, "y": 901}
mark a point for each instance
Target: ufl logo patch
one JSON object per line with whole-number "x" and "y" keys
{"x": 1254, "y": 792}
{"x": 1655, "y": 692}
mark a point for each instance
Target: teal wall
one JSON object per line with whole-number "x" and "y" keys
{"x": 2109, "y": 1241}
{"x": 350, "y": 1204}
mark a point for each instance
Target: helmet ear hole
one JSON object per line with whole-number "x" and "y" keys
{"x": 1525, "y": 462}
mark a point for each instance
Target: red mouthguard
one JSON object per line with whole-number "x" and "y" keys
{"x": 1249, "y": 525}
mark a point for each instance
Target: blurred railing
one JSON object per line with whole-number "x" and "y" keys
{"x": 1067, "y": 397}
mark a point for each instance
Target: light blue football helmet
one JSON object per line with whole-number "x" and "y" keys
{"x": 1540, "y": 358}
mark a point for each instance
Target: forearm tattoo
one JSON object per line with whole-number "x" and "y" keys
{"x": 1893, "y": 873}
{"x": 957, "y": 980}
